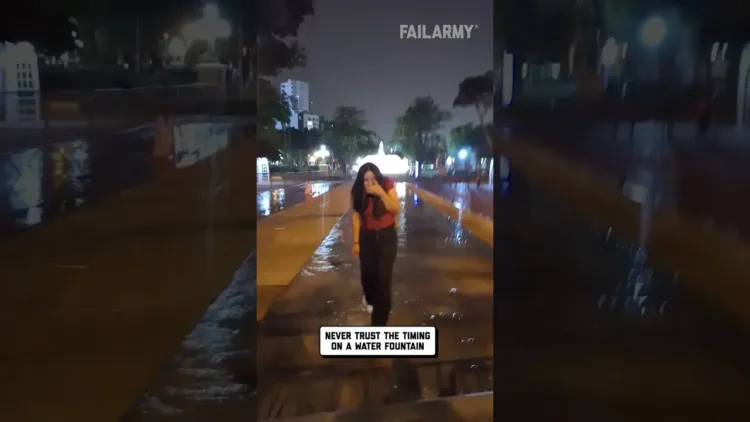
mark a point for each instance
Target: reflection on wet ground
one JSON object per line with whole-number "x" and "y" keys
{"x": 595, "y": 333}
{"x": 463, "y": 195}
{"x": 442, "y": 277}
{"x": 212, "y": 375}
{"x": 276, "y": 199}
{"x": 705, "y": 179}
{"x": 40, "y": 183}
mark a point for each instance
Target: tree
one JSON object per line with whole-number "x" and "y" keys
{"x": 347, "y": 134}
{"x": 297, "y": 143}
{"x": 417, "y": 129}
{"x": 272, "y": 109}
{"x": 477, "y": 91}
{"x": 263, "y": 29}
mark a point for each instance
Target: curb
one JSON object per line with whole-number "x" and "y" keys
{"x": 471, "y": 407}
{"x": 481, "y": 227}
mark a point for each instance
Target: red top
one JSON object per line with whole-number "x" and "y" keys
{"x": 386, "y": 219}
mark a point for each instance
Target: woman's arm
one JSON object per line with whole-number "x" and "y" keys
{"x": 355, "y": 226}
{"x": 391, "y": 201}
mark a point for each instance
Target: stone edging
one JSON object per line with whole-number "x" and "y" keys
{"x": 481, "y": 227}
{"x": 470, "y": 407}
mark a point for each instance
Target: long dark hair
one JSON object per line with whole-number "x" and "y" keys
{"x": 360, "y": 198}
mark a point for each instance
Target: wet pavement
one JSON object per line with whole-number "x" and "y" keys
{"x": 588, "y": 335}
{"x": 272, "y": 200}
{"x": 463, "y": 195}
{"x": 442, "y": 277}
{"x": 213, "y": 374}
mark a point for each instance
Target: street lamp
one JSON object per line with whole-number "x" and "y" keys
{"x": 653, "y": 31}
{"x": 321, "y": 154}
{"x": 176, "y": 49}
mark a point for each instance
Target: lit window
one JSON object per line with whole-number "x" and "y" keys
{"x": 554, "y": 70}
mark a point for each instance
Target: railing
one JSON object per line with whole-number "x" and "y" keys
{"x": 302, "y": 176}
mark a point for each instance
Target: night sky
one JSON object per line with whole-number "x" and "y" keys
{"x": 356, "y": 57}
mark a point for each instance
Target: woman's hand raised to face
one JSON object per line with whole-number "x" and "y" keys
{"x": 375, "y": 189}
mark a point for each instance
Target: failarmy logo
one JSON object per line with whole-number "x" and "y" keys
{"x": 437, "y": 32}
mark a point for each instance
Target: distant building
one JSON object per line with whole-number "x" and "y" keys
{"x": 297, "y": 94}
{"x": 310, "y": 121}
{"x": 19, "y": 82}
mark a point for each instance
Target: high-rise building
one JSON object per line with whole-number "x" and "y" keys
{"x": 297, "y": 94}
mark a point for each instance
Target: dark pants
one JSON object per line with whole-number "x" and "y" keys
{"x": 377, "y": 254}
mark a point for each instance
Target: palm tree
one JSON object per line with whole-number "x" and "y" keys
{"x": 347, "y": 134}
{"x": 478, "y": 91}
{"x": 417, "y": 128}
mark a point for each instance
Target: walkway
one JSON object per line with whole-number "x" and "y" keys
{"x": 96, "y": 301}
{"x": 442, "y": 278}
{"x": 286, "y": 240}
{"x": 567, "y": 355}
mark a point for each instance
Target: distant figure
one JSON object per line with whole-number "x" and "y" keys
{"x": 308, "y": 188}
{"x": 479, "y": 179}
{"x": 375, "y": 204}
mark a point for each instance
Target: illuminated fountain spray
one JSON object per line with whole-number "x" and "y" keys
{"x": 387, "y": 163}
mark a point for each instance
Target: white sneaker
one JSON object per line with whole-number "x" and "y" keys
{"x": 367, "y": 305}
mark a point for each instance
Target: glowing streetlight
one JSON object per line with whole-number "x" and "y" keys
{"x": 610, "y": 52}
{"x": 654, "y": 31}
{"x": 463, "y": 154}
{"x": 321, "y": 154}
{"x": 176, "y": 49}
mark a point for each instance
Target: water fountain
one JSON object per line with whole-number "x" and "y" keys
{"x": 387, "y": 163}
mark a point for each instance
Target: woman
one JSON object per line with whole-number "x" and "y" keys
{"x": 376, "y": 204}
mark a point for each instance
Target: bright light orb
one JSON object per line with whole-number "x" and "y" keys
{"x": 609, "y": 52}
{"x": 322, "y": 152}
{"x": 463, "y": 154}
{"x": 653, "y": 31}
{"x": 176, "y": 47}
{"x": 390, "y": 164}
{"x": 209, "y": 27}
